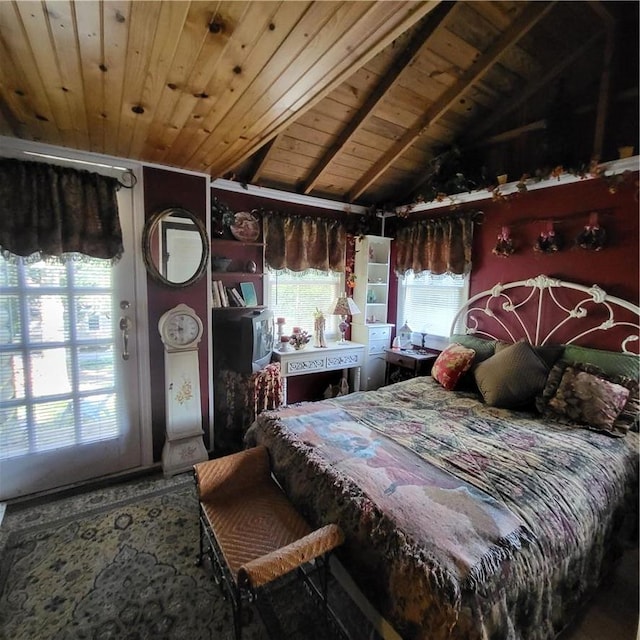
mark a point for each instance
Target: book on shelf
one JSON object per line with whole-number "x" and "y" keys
{"x": 235, "y": 299}
{"x": 215, "y": 294}
{"x": 249, "y": 294}
{"x": 222, "y": 293}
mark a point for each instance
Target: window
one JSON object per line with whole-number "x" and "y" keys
{"x": 56, "y": 355}
{"x": 429, "y": 302}
{"x": 295, "y": 296}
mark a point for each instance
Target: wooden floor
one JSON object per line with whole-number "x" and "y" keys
{"x": 613, "y": 613}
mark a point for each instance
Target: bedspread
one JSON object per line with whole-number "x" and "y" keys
{"x": 339, "y": 460}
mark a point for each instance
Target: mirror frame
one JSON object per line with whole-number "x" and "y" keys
{"x": 150, "y": 226}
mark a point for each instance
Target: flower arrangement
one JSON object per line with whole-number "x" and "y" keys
{"x": 547, "y": 241}
{"x": 593, "y": 236}
{"x": 299, "y": 338}
{"x": 504, "y": 245}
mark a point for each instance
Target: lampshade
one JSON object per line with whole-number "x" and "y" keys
{"x": 345, "y": 306}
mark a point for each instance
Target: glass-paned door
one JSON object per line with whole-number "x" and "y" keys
{"x": 67, "y": 395}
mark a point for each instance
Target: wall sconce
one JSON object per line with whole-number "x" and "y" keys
{"x": 504, "y": 246}
{"x": 593, "y": 236}
{"x": 547, "y": 241}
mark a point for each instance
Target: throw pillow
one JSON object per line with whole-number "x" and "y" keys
{"x": 588, "y": 399}
{"x": 451, "y": 364}
{"x": 484, "y": 349}
{"x": 549, "y": 353}
{"x": 512, "y": 378}
{"x": 611, "y": 362}
{"x": 628, "y": 417}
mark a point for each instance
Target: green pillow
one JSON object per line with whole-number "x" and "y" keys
{"x": 484, "y": 348}
{"x": 611, "y": 363}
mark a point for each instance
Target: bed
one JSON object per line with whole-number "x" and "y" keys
{"x": 467, "y": 515}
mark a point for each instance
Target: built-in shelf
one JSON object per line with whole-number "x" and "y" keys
{"x": 230, "y": 242}
{"x": 260, "y": 306}
{"x": 214, "y": 274}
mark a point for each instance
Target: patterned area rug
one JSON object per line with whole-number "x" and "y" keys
{"x": 118, "y": 563}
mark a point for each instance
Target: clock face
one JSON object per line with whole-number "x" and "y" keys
{"x": 181, "y": 329}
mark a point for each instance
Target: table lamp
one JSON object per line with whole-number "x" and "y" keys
{"x": 344, "y": 307}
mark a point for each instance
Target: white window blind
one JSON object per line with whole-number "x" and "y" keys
{"x": 57, "y": 385}
{"x": 295, "y": 296}
{"x": 428, "y": 303}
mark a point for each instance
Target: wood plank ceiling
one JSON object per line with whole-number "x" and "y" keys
{"x": 347, "y": 100}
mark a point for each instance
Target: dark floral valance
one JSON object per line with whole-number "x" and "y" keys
{"x": 48, "y": 210}
{"x": 298, "y": 243}
{"x": 439, "y": 245}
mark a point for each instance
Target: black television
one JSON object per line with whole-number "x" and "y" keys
{"x": 249, "y": 342}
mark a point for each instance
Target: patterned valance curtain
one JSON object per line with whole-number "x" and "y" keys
{"x": 440, "y": 245}
{"x": 49, "y": 211}
{"x": 297, "y": 243}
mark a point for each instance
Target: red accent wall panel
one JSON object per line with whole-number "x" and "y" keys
{"x": 614, "y": 268}
{"x": 162, "y": 189}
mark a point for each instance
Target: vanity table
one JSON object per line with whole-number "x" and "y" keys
{"x": 335, "y": 355}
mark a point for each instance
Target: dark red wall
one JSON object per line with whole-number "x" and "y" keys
{"x": 162, "y": 189}
{"x": 308, "y": 387}
{"x": 615, "y": 268}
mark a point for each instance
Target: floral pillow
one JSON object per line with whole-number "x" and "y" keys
{"x": 557, "y": 403}
{"x": 451, "y": 364}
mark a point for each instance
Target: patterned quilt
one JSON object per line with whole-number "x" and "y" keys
{"x": 463, "y": 521}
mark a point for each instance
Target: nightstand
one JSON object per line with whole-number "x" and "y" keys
{"x": 410, "y": 361}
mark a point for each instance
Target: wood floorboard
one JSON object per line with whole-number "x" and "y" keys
{"x": 612, "y": 614}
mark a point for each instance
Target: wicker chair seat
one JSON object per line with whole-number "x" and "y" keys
{"x": 259, "y": 534}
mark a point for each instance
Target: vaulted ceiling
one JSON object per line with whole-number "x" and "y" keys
{"x": 356, "y": 101}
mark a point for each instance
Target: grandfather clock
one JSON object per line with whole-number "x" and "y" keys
{"x": 181, "y": 331}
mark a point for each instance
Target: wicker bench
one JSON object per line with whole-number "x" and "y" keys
{"x": 251, "y": 531}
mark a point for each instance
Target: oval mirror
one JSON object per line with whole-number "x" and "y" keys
{"x": 175, "y": 247}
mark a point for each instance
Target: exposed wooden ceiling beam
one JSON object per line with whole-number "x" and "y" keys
{"x": 522, "y": 25}
{"x": 262, "y": 157}
{"x": 605, "y": 77}
{"x": 299, "y": 98}
{"x": 529, "y": 90}
{"x": 433, "y": 20}
{"x": 510, "y": 134}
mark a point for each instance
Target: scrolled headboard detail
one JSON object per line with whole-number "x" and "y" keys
{"x": 545, "y": 310}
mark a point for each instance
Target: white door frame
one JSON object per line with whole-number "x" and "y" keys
{"x": 109, "y": 165}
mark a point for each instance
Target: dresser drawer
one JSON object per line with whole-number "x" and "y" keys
{"x": 377, "y": 347}
{"x": 379, "y": 333}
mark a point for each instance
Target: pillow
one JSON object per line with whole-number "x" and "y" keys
{"x": 627, "y": 418}
{"x": 610, "y": 362}
{"x": 451, "y": 364}
{"x": 484, "y": 348}
{"x": 513, "y": 377}
{"x": 548, "y": 353}
{"x": 588, "y": 399}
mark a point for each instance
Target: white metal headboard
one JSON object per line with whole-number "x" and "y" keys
{"x": 500, "y": 311}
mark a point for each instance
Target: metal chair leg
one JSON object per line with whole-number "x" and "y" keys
{"x": 237, "y": 615}
{"x": 201, "y": 542}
